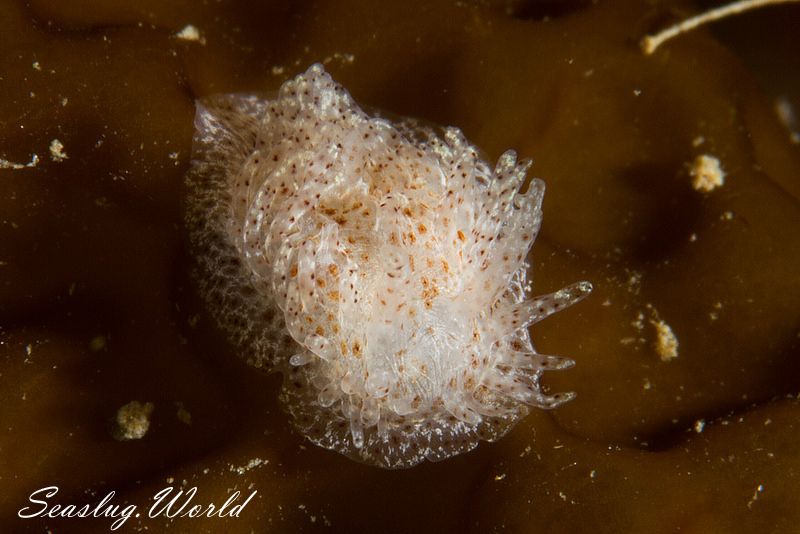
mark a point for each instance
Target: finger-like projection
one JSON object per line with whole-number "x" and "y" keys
{"x": 380, "y": 266}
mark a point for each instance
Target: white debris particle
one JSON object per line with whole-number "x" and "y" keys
{"x": 634, "y": 282}
{"x": 253, "y": 463}
{"x": 666, "y": 343}
{"x": 592, "y": 473}
{"x": 783, "y": 109}
{"x": 500, "y": 477}
{"x": 277, "y": 70}
{"x": 36, "y": 66}
{"x": 692, "y": 238}
{"x": 785, "y": 113}
{"x": 345, "y": 59}
{"x": 57, "y": 152}
{"x": 5, "y": 164}
{"x": 727, "y": 216}
{"x": 190, "y": 33}
{"x": 133, "y": 420}
{"x": 699, "y": 425}
{"x": 647, "y": 385}
{"x": 697, "y": 141}
{"x": 707, "y": 174}
{"x": 64, "y": 101}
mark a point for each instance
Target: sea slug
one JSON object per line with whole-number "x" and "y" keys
{"x": 380, "y": 266}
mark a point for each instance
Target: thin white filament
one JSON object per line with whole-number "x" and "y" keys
{"x": 651, "y": 42}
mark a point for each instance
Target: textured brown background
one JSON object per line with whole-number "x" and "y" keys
{"x": 94, "y": 246}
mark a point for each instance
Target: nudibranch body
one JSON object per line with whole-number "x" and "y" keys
{"x": 381, "y": 267}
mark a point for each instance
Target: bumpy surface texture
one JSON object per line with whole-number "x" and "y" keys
{"x": 394, "y": 258}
